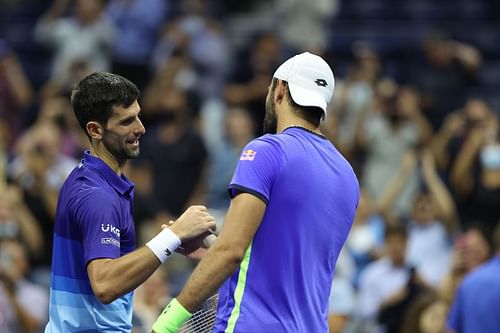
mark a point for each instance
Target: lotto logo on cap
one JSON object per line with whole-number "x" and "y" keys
{"x": 310, "y": 80}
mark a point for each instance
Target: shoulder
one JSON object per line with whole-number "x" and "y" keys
{"x": 482, "y": 273}
{"x": 267, "y": 143}
{"x": 93, "y": 198}
{"x": 267, "y": 149}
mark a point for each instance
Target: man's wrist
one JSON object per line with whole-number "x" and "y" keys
{"x": 164, "y": 244}
{"x": 172, "y": 318}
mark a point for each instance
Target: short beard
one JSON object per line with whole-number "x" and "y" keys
{"x": 270, "y": 120}
{"x": 113, "y": 143}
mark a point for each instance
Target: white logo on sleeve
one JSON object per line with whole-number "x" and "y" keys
{"x": 109, "y": 227}
{"x": 110, "y": 241}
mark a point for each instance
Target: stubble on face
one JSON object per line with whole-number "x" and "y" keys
{"x": 117, "y": 145}
{"x": 270, "y": 120}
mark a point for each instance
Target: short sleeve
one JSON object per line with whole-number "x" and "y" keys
{"x": 257, "y": 169}
{"x": 99, "y": 222}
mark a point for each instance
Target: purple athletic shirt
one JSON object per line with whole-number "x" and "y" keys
{"x": 93, "y": 220}
{"x": 311, "y": 193}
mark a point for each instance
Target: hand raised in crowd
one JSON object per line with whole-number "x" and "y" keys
{"x": 454, "y": 124}
{"x": 427, "y": 159}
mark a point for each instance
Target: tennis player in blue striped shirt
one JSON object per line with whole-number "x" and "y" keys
{"x": 294, "y": 197}
{"x": 95, "y": 266}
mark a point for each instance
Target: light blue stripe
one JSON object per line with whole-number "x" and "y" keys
{"x": 61, "y": 283}
{"x": 71, "y": 312}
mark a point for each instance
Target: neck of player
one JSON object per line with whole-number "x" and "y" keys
{"x": 98, "y": 150}
{"x": 294, "y": 121}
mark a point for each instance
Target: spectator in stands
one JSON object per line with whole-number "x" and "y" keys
{"x": 476, "y": 304}
{"x": 204, "y": 43}
{"x": 475, "y": 174}
{"x": 388, "y": 285}
{"x": 471, "y": 249}
{"x": 366, "y": 238}
{"x": 248, "y": 81}
{"x": 24, "y": 305}
{"x": 432, "y": 222}
{"x": 354, "y": 95}
{"x": 40, "y": 169}
{"x": 304, "y": 25}
{"x": 150, "y": 299}
{"x": 448, "y": 69}
{"x": 138, "y": 24}
{"x": 82, "y": 39}
{"x": 341, "y": 303}
{"x": 395, "y": 124}
{"x": 175, "y": 152}
{"x": 457, "y": 126}
{"x": 16, "y": 94}
{"x": 239, "y": 130}
{"x": 58, "y": 111}
{"x": 426, "y": 314}
{"x": 17, "y": 221}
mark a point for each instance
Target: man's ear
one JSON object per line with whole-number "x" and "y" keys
{"x": 95, "y": 130}
{"x": 280, "y": 91}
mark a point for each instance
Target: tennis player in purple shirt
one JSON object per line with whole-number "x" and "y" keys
{"x": 95, "y": 266}
{"x": 294, "y": 197}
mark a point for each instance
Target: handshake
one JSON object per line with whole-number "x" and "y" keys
{"x": 191, "y": 234}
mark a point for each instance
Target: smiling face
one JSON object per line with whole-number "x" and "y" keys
{"x": 121, "y": 135}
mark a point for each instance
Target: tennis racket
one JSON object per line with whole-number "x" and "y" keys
{"x": 203, "y": 320}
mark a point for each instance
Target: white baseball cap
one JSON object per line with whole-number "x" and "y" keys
{"x": 310, "y": 80}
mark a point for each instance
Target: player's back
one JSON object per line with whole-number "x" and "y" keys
{"x": 311, "y": 196}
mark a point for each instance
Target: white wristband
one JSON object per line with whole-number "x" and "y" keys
{"x": 164, "y": 244}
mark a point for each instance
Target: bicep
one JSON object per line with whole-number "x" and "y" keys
{"x": 242, "y": 220}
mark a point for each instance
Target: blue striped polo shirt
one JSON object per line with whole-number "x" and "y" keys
{"x": 284, "y": 280}
{"x": 93, "y": 220}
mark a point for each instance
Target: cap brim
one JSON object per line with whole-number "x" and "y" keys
{"x": 305, "y": 97}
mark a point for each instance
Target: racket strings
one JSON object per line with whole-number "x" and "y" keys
{"x": 203, "y": 320}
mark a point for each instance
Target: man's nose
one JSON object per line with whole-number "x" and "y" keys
{"x": 140, "y": 128}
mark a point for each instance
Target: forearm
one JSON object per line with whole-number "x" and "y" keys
{"x": 20, "y": 87}
{"x": 461, "y": 173}
{"x": 424, "y": 128}
{"x": 215, "y": 267}
{"x": 116, "y": 277}
{"x": 393, "y": 189}
{"x": 442, "y": 197}
{"x": 48, "y": 194}
{"x": 30, "y": 229}
{"x": 438, "y": 146}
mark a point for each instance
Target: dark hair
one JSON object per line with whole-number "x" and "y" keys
{"x": 312, "y": 114}
{"x": 97, "y": 94}
{"x": 486, "y": 231}
{"x": 396, "y": 229}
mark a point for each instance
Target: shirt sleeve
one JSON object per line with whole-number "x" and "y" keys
{"x": 257, "y": 169}
{"x": 98, "y": 219}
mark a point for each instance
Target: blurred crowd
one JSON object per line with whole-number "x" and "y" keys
{"x": 424, "y": 143}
